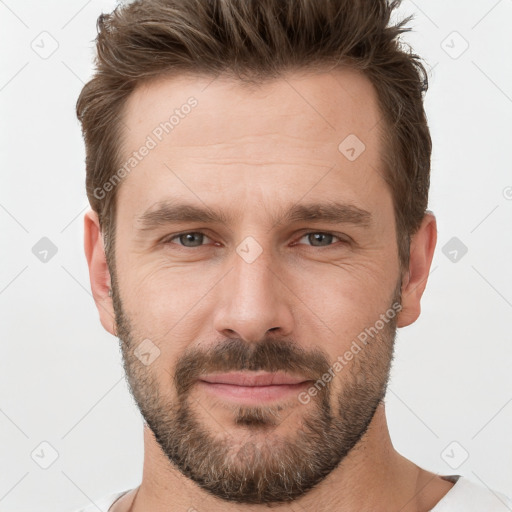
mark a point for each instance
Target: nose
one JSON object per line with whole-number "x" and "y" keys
{"x": 253, "y": 302}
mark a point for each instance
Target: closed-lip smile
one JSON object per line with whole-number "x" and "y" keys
{"x": 252, "y": 388}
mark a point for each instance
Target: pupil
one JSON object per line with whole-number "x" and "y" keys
{"x": 189, "y": 237}
{"x": 320, "y": 237}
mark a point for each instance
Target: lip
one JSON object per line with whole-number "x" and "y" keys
{"x": 253, "y": 389}
{"x": 252, "y": 379}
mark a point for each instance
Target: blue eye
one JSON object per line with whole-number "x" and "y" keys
{"x": 191, "y": 239}
{"x": 320, "y": 239}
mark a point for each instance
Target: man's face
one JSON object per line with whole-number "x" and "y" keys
{"x": 297, "y": 258}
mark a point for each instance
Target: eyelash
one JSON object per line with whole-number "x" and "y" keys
{"x": 168, "y": 240}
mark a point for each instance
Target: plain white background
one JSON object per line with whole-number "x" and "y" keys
{"x": 62, "y": 384}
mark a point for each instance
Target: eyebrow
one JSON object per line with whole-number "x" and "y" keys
{"x": 168, "y": 212}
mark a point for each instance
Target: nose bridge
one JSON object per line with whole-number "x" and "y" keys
{"x": 253, "y": 297}
{"x": 254, "y": 280}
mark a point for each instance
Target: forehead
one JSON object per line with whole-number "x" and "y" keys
{"x": 219, "y": 135}
{"x": 327, "y": 102}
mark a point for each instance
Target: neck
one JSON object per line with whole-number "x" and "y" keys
{"x": 373, "y": 476}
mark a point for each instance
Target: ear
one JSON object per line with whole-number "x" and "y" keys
{"x": 414, "y": 282}
{"x": 99, "y": 274}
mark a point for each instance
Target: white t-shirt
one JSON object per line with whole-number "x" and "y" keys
{"x": 464, "y": 496}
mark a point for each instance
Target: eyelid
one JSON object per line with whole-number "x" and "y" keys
{"x": 168, "y": 239}
{"x": 341, "y": 238}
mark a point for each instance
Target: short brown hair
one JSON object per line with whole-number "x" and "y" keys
{"x": 258, "y": 40}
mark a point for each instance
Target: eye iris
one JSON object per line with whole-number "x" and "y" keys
{"x": 322, "y": 238}
{"x": 191, "y": 239}
{"x": 196, "y": 239}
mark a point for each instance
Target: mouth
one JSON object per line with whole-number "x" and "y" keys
{"x": 250, "y": 388}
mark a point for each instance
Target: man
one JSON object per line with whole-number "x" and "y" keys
{"x": 258, "y": 173}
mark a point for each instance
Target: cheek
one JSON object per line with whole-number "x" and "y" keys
{"x": 332, "y": 301}
{"x": 346, "y": 291}
{"x": 163, "y": 300}
{"x": 336, "y": 304}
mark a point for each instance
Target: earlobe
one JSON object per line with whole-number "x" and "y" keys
{"x": 414, "y": 282}
{"x": 99, "y": 274}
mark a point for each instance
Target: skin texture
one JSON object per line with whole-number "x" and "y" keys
{"x": 252, "y": 153}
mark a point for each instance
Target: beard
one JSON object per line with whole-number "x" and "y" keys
{"x": 249, "y": 462}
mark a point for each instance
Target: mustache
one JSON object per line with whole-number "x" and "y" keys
{"x": 269, "y": 355}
